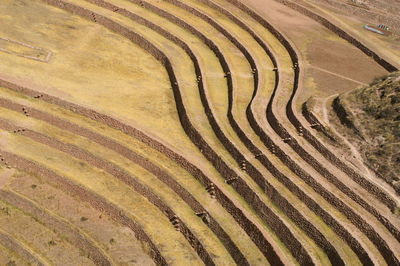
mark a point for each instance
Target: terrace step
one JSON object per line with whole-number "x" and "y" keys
{"x": 122, "y": 168}
{"x": 117, "y": 136}
{"x": 150, "y": 219}
{"x": 36, "y": 239}
{"x": 115, "y": 238}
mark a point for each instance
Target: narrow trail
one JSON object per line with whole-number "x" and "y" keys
{"x": 336, "y": 74}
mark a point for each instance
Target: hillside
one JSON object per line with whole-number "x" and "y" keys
{"x": 373, "y": 114}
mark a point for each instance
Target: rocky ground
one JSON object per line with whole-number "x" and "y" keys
{"x": 373, "y": 114}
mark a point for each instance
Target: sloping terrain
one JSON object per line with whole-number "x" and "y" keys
{"x": 373, "y": 113}
{"x": 171, "y": 132}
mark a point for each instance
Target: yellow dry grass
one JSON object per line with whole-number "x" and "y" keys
{"x": 47, "y": 245}
{"x": 184, "y": 178}
{"x": 153, "y": 222}
{"x": 167, "y": 195}
{"x": 89, "y": 65}
{"x": 104, "y": 97}
{"x": 117, "y": 240}
{"x": 99, "y": 69}
{"x": 9, "y": 256}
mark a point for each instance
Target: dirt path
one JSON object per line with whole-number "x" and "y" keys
{"x": 336, "y": 74}
{"x": 354, "y": 151}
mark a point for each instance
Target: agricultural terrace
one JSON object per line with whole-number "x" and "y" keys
{"x": 182, "y": 132}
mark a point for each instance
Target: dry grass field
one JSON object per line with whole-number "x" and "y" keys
{"x": 189, "y": 132}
